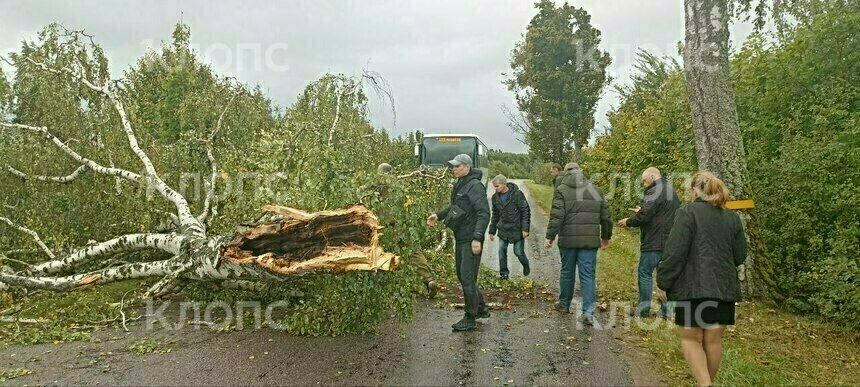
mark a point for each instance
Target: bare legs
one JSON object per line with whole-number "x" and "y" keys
{"x": 694, "y": 352}
{"x": 713, "y": 344}
{"x": 703, "y": 350}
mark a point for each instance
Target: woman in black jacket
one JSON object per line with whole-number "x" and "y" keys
{"x": 699, "y": 271}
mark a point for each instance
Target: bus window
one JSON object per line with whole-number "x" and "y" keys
{"x": 437, "y": 151}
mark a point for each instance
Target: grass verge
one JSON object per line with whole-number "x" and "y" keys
{"x": 768, "y": 346}
{"x": 542, "y": 194}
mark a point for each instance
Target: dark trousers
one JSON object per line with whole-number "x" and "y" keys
{"x": 467, "y": 272}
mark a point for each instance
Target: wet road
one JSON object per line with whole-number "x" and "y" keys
{"x": 530, "y": 344}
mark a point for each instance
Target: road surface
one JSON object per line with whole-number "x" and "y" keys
{"x": 530, "y": 344}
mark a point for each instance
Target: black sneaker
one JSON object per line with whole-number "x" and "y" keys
{"x": 465, "y": 324}
{"x": 560, "y": 308}
{"x": 484, "y": 312}
{"x": 526, "y": 269}
{"x": 432, "y": 288}
{"x": 588, "y": 320}
{"x": 503, "y": 276}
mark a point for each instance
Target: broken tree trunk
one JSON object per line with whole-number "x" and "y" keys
{"x": 291, "y": 242}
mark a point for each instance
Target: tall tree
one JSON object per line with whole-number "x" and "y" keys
{"x": 558, "y": 75}
{"x": 719, "y": 143}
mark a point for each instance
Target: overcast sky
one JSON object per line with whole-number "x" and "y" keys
{"x": 443, "y": 59}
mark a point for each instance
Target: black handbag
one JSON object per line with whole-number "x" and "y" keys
{"x": 455, "y": 215}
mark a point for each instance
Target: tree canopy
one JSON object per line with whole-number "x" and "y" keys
{"x": 558, "y": 76}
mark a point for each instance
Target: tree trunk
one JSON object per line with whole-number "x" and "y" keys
{"x": 719, "y": 143}
{"x": 291, "y": 242}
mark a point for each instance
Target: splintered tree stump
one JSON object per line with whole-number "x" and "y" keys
{"x": 296, "y": 242}
{"x": 289, "y": 242}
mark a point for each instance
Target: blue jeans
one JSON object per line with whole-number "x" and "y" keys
{"x": 519, "y": 251}
{"x": 648, "y": 261}
{"x": 585, "y": 260}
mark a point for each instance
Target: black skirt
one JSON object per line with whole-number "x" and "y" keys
{"x": 703, "y": 313}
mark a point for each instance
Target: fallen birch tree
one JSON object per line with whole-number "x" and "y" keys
{"x": 290, "y": 242}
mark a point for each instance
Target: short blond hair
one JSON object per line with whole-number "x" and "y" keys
{"x": 710, "y": 189}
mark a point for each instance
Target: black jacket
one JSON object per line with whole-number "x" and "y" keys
{"x": 704, "y": 249}
{"x": 579, "y": 215}
{"x": 656, "y": 215}
{"x": 471, "y": 196}
{"x": 511, "y": 218}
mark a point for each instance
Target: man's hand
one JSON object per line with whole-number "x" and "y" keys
{"x": 432, "y": 220}
{"x": 604, "y": 243}
{"x": 635, "y": 209}
{"x": 525, "y": 234}
{"x": 661, "y": 295}
{"x": 622, "y": 222}
{"x": 476, "y": 247}
{"x": 492, "y": 238}
{"x": 548, "y": 244}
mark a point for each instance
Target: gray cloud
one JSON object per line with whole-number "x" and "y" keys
{"x": 443, "y": 59}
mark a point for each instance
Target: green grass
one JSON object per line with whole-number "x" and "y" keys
{"x": 542, "y": 193}
{"x": 768, "y": 346}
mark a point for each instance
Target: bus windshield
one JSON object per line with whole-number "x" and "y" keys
{"x": 439, "y": 150}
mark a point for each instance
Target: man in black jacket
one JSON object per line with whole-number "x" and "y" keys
{"x": 580, "y": 220}
{"x": 654, "y": 217}
{"x": 511, "y": 219}
{"x": 468, "y": 217}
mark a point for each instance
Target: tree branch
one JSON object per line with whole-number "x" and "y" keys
{"x": 56, "y": 179}
{"x": 80, "y": 281}
{"x": 32, "y": 233}
{"x": 204, "y": 216}
{"x": 92, "y": 165}
{"x": 336, "y": 117}
{"x": 169, "y": 243}
{"x": 187, "y": 219}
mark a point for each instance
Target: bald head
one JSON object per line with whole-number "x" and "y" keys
{"x": 650, "y": 175}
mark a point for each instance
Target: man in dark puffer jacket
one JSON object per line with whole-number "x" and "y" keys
{"x": 511, "y": 219}
{"x": 468, "y": 216}
{"x": 580, "y": 219}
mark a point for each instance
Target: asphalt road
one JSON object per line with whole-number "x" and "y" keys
{"x": 529, "y": 344}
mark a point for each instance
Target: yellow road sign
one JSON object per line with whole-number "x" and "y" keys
{"x": 740, "y": 204}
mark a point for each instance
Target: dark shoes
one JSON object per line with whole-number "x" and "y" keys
{"x": 504, "y": 276}
{"x": 484, "y": 312}
{"x": 526, "y": 269}
{"x": 588, "y": 320}
{"x": 432, "y": 288}
{"x": 634, "y": 313}
{"x": 559, "y": 308}
{"x": 466, "y": 324}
